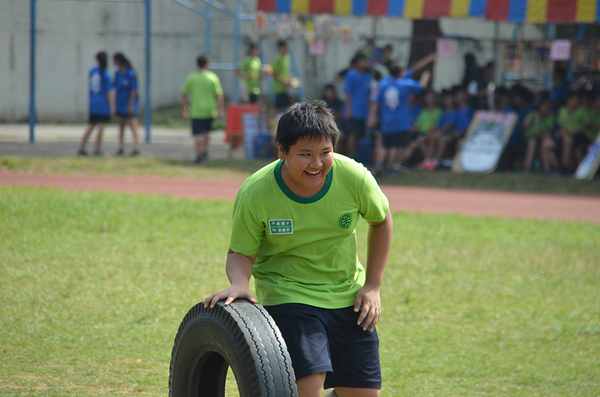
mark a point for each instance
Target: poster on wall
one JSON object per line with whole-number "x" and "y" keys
{"x": 445, "y": 48}
{"x": 541, "y": 56}
{"x": 513, "y": 56}
{"x": 584, "y": 56}
{"x": 485, "y": 141}
{"x": 560, "y": 50}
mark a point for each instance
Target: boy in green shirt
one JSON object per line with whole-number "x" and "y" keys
{"x": 281, "y": 77}
{"x": 249, "y": 70}
{"x": 207, "y": 102}
{"x": 539, "y": 126}
{"x": 424, "y": 132}
{"x": 573, "y": 121}
{"x": 294, "y": 230}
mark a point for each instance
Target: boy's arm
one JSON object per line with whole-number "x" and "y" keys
{"x": 185, "y": 108}
{"x": 239, "y": 270}
{"x": 368, "y": 301}
{"x": 132, "y": 97}
{"x": 421, "y": 63}
{"x": 221, "y": 105}
{"x": 373, "y": 109}
{"x": 348, "y": 105}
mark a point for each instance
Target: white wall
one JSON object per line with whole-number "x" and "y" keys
{"x": 70, "y": 33}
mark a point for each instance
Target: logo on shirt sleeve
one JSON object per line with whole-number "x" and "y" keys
{"x": 281, "y": 226}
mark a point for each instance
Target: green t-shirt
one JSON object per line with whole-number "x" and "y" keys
{"x": 204, "y": 87}
{"x": 306, "y": 246}
{"x": 281, "y": 67}
{"x": 251, "y": 68}
{"x": 427, "y": 119}
{"x": 576, "y": 121}
{"x": 538, "y": 126}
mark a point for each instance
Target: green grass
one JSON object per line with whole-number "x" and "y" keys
{"x": 241, "y": 169}
{"x": 139, "y": 166}
{"x": 93, "y": 287}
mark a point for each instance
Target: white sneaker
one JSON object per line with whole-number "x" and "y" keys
{"x": 400, "y": 168}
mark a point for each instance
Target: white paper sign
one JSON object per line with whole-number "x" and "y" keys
{"x": 589, "y": 165}
{"x": 484, "y": 142}
{"x": 560, "y": 50}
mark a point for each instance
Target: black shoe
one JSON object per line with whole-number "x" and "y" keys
{"x": 135, "y": 153}
{"x": 119, "y": 153}
{"x": 82, "y": 152}
{"x": 199, "y": 160}
{"x": 98, "y": 153}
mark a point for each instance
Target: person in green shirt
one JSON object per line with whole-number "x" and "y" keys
{"x": 281, "y": 77}
{"x": 573, "y": 120}
{"x": 424, "y": 136}
{"x": 207, "y": 102}
{"x": 539, "y": 126}
{"x": 250, "y": 70}
{"x": 294, "y": 230}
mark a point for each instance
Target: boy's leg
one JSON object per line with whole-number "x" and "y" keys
{"x": 86, "y": 136}
{"x": 529, "y": 153}
{"x": 354, "y": 392}
{"x": 133, "y": 123}
{"x": 122, "y": 122}
{"x": 549, "y": 160}
{"x": 311, "y": 386}
{"x": 99, "y": 138}
{"x": 567, "y": 147}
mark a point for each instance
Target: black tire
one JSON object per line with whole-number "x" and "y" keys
{"x": 242, "y": 336}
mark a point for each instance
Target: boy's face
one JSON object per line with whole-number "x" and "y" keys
{"x": 329, "y": 94}
{"x": 306, "y": 166}
{"x": 362, "y": 64}
{"x": 448, "y": 102}
{"x": 461, "y": 98}
{"x": 430, "y": 99}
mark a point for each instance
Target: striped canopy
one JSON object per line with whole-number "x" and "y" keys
{"x": 525, "y": 11}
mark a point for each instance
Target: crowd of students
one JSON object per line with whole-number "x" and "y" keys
{"x": 416, "y": 127}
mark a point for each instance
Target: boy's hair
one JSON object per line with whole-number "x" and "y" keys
{"x": 329, "y": 86}
{"x": 395, "y": 70}
{"x": 311, "y": 119}
{"x": 358, "y": 57}
{"x": 281, "y": 43}
{"x": 202, "y": 61}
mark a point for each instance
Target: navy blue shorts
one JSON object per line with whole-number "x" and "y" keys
{"x": 329, "y": 340}
{"x": 395, "y": 139}
{"x": 201, "y": 126}
{"x": 99, "y": 118}
{"x": 356, "y": 126}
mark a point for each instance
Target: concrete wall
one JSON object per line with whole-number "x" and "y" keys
{"x": 69, "y": 34}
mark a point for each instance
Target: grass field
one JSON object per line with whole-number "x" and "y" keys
{"x": 241, "y": 169}
{"x": 93, "y": 287}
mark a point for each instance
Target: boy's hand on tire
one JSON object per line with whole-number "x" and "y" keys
{"x": 230, "y": 294}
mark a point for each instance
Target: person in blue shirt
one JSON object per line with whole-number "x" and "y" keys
{"x": 101, "y": 103}
{"x": 445, "y": 128}
{"x": 392, "y": 106}
{"x": 126, "y": 86}
{"x": 358, "y": 90}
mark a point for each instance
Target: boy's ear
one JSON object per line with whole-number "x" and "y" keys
{"x": 280, "y": 151}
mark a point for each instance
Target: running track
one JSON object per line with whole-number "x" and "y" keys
{"x": 414, "y": 199}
